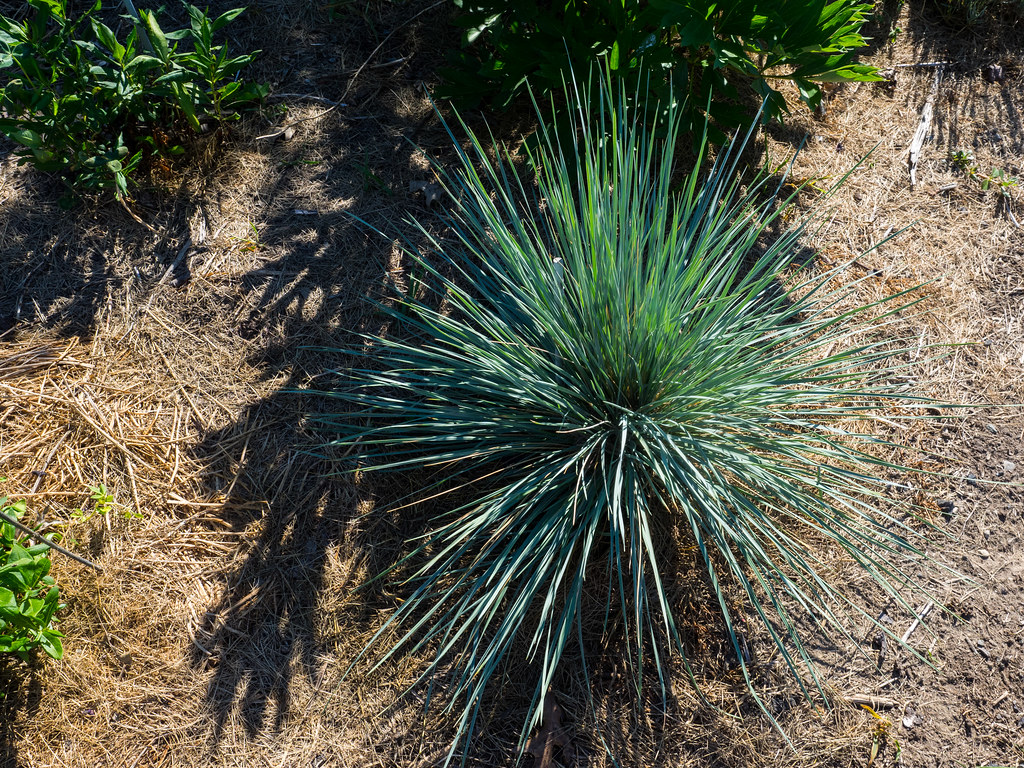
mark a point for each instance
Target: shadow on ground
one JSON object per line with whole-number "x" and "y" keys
{"x": 21, "y": 691}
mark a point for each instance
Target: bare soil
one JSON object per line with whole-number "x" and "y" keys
{"x": 168, "y": 362}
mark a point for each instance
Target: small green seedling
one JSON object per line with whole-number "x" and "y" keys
{"x": 251, "y": 242}
{"x": 371, "y": 181}
{"x": 963, "y": 161}
{"x": 998, "y": 179}
{"x": 881, "y": 735}
{"x": 102, "y": 504}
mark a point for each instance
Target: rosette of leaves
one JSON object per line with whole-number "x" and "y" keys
{"x": 604, "y": 362}
{"x": 29, "y": 598}
{"x": 692, "y": 51}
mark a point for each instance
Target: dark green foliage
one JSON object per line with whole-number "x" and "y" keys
{"x": 28, "y": 596}
{"x": 91, "y": 107}
{"x": 705, "y": 49}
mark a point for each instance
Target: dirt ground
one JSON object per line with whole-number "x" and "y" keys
{"x": 167, "y": 362}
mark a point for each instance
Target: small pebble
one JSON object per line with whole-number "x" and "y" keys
{"x": 946, "y": 506}
{"x": 1009, "y": 466}
{"x": 983, "y": 553}
{"x": 992, "y": 428}
{"x": 993, "y": 73}
{"x": 972, "y": 479}
{"x": 910, "y": 720}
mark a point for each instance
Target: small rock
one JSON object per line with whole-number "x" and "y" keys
{"x": 432, "y": 191}
{"x": 992, "y": 428}
{"x": 1009, "y": 466}
{"x": 993, "y": 73}
{"x": 946, "y": 506}
{"x": 983, "y": 553}
{"x": 972, "y": 479}
{"x": 911, "y": 720}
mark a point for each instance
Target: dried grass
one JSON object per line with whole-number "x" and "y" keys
{"x": 218, "y": 630}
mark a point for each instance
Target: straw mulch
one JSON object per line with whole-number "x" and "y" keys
{"x": 168, "y": 364}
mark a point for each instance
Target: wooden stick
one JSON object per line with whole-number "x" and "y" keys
{"x": 41, "y": 472}
{"x": 174, "y": 265}
{"x": 42, "y": 540}
{"x": 875, "y": 702}
{"x": 924, "y": 64}
{"x": 924, "y": 124}
{"x": 921, "y": 614}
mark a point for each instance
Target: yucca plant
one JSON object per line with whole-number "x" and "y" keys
{"x": 606, "y": 355}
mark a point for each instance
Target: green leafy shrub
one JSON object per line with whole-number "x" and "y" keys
{"x": 699, "y": 49}
{"x": 82, "y": 103}
{"x": 608, "y": 365}
{"x": 28, "y": 596}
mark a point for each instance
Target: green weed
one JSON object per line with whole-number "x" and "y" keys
{"x": 102, "y": 504}
{"x": 29, "y": 598}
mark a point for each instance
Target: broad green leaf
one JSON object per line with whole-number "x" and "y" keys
{"x": 142, "y": 63}
{"x": 27, "y": 137}
{"x": 156, "y": 36}
{"x": 186, "y": 102}
{"x": 51, "y": 643}
{"x": 226, "y": 18}
{"x": 853, "y": 72}
{"x": 107, "y": 38}
{"x": 174, "y": 76}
